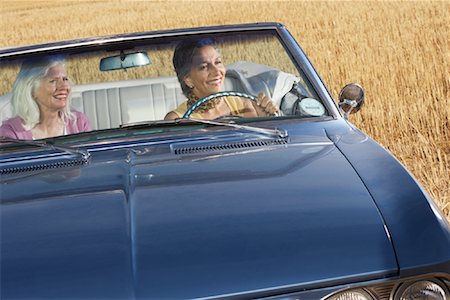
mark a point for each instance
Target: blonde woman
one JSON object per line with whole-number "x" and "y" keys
{"x": 41, "y": 102}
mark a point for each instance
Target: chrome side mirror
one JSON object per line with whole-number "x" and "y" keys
{"x": 351, "y": 99}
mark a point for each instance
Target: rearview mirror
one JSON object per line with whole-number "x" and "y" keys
{"x": 124, "y": 61}
{"x": 351, "y": 99}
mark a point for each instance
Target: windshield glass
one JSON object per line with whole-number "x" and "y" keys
{"x": 73, "y": 91}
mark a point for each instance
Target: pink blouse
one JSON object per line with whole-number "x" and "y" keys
{"x": 13, "y": 128}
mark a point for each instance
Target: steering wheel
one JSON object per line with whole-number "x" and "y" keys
{"x": 197, "y": 104}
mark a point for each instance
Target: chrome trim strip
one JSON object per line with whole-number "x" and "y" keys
{"x": 311, "y": 285}
{"x": 337, "y": 285}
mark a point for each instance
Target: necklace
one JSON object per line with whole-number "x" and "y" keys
{"x": 205, "y": 106}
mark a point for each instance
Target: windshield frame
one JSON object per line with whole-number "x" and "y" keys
{"x": 115, "y": 42}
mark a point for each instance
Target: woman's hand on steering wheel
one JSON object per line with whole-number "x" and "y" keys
{"x": 264, "y": 106}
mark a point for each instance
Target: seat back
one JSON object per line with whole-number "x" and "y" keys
{"x": 111, "y": 104}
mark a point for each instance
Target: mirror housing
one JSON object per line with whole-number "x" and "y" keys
{"x": 124, "y": 61}
{"x": 351, "y": 99}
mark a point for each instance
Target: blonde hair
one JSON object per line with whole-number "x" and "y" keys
{"x": 27, "y": 82}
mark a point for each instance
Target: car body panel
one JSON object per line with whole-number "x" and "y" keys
{"x": 403, "y": 209}
{"x": 192, "y": 210}
{"x": 165, "y": 209}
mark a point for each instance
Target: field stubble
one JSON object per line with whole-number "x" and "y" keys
{"x": 398, "y": 51}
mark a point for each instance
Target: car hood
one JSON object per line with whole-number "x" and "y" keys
{"x": 153, "y": 223}
{"x": 219, "y": 223}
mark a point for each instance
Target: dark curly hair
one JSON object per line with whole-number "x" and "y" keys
{"x": 183, "y": 56}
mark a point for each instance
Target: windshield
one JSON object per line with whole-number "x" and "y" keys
{"x": 163, "y": 79}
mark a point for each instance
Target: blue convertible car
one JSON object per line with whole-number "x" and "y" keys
{"x": 222, "y": 171}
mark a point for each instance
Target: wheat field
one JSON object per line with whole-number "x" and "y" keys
{"x": 398, "y": 51}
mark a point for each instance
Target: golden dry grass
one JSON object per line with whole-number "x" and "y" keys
{"x": 398, "y": 51}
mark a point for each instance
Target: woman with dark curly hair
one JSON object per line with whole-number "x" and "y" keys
{"x": 200, "y": 71}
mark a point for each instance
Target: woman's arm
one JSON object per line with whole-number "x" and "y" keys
{"x": 171, "y": 116}
{"x": 8, "y": 131}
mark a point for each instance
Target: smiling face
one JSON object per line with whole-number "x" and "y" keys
{"x": 52, "y": 93}
{"x": 207, "y": 74}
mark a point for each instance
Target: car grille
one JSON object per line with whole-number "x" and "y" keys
{"x": 383, "y": 292}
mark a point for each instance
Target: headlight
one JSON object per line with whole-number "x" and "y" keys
{"x": 358, "y": 294}
{"x": 424, "y": 287}
{"x": 423, "y": 290}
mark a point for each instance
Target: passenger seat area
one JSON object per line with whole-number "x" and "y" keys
{"x": 115, "y": 103}
{"x": 111, "y": 104}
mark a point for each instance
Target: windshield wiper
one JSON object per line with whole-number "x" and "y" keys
{"x": 76, "y": 152}
{"x": 272, "y": 132}
{"x": 282, "y": 133}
